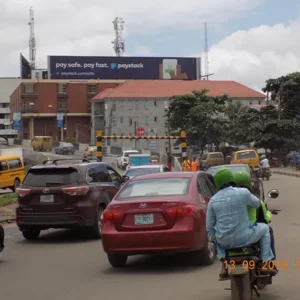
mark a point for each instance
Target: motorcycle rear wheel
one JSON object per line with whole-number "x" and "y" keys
{"x": 241, "y": 287}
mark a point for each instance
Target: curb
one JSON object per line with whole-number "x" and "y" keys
{"x": 8, "y": 220}
{"x": 286, "y": 173}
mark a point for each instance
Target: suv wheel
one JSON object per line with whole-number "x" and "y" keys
{"x": 31, "y": 234}
{"x": 97, "y": 228}
{"x": 117, "y": 261}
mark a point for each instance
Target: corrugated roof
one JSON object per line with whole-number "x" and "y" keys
{"x": 169, "y": 88}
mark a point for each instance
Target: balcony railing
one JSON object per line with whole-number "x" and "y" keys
{"x": 27, "y": 110}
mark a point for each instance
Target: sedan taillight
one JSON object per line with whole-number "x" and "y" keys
{"x": 76, "y": 191}
{"x": 112, "y": 214}
{"x": 180, "y": 211}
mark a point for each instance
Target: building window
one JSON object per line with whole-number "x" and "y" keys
{"x": 62, "y": 88}
{"x": 114, "y": 106}
{"x": 137, "y": 104}
{"x": 92, "y": 89}
{"x": 155, "y": 103}
{"x": 2, "y": 116}
{"x": 28, "y": 88}
{"x": 130, "y": 121}
{"x": 28, "y": 104}
{"x": 146, "y": 104}
{"x": 259, "y": 102}
{"x": 155, "y": 119}
{"x": 62, "y": 104}
{"x": 130, "y": 106}
{"x": 121, "y": 104}
{"x": 114, "y": 122}
{"x": 121, "y": 120}
{"x": 147, "y": 121}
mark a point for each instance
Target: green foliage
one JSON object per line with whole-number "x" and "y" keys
{"x": 199, "y": 115}
{"x": 70, "y": 140}
{"x": 8, "y": 199}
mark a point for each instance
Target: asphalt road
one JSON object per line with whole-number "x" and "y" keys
{"x": 64, "y": 266}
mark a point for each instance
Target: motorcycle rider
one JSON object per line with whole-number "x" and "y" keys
{"x": 264, "y": 162}
{"x": 227, "y": 221}
{"x": 259, "y": 215}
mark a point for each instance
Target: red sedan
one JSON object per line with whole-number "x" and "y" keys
{"x": 161, "y": 213}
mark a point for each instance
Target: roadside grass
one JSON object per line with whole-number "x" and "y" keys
{"x": 8, "y": 199}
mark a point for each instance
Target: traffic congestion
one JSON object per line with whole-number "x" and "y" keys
{"x": 143, "y": 217}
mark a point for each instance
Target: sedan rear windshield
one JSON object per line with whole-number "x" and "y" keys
{"x": 142, "y": 171}
{"x": 51, "y": 177}
{"x": 246, "y": 155}
{"x": 156, "y": 187}
{"x": 215, "y": 155}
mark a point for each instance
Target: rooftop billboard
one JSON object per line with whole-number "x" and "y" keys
{"x": 112, "y": 67}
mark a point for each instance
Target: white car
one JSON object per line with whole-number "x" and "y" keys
{"x": 123, "y": 159}
{"x": 145, "y": 169}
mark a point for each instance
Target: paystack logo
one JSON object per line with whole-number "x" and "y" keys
{"x": 113, "y": 66}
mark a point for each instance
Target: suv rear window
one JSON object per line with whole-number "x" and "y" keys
{"x": 246, "y": 155}
{"x": 51, "y": 177}
{"x": 126, "y": 154}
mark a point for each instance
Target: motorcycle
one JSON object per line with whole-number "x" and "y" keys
{"x": 266, "y": 173}
{"x": 1, "y": 238}
{"x": 245, "y": 268}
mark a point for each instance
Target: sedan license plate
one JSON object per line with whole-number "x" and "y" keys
{"x": 47, "y": 198}
{"x": 145, "y": 219}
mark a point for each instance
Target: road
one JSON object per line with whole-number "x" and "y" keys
{"x": 64, "y": 266}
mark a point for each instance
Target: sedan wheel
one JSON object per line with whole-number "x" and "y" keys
{"x": 207, "y": 255}
{"x": 117, "y": 261}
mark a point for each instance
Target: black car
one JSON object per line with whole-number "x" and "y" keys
{"x": 65, "y": 193}
{"x": 257, "y": 184}
{"x": 1, "y": 238}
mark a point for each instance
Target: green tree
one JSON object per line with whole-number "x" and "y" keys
{"x": 199, "y": 115}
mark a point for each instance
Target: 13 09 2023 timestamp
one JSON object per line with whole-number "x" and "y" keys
{"x": 264, "y": 265}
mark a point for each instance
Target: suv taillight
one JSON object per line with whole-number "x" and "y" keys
{"x": 76, "y": 191}
{"x": 180, "y": 211}
{"x": 112, "y": 214}
{"x": 22, "y": 192}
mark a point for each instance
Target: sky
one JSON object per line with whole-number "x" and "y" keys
{"x": 249, "y": 41}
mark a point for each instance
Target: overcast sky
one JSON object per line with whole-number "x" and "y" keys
{"x": 249, "y": 40}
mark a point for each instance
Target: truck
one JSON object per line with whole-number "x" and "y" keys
{"x": 139, "y": 159}
{"x": 13, "y": 151}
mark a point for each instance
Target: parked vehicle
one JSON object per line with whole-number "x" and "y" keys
{"x": 12, "y": 171}
{"x": 211, "y": 159}
{"x": 257, "y": 184}
{"x": 42, "y": 143}
{"x": 245, "y": 268}
{"x": 123, "y": 159}
{"x": 2, "y": 235}
{"x": 160, "y": 213}
{"x": 249, "y": 157}
{"x": 64, "y": 148}
{"x": 65, "y": 194}
{"x": 146, "y": 169}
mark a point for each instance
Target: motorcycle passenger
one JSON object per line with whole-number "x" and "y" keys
{"x": 259, "y": 215}
{"x": 264, "y": 162}
{"x": 227, "y": 221}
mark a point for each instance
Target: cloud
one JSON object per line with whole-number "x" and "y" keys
{"x": 255, "y": 55}
{"x": 77, "y": 27}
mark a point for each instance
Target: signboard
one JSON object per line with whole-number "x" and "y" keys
{"x": 140, "y": 131}
{"x": 152, "y": 145}
{"x": 17, "y": 121}
{"x": 60, "y": 119}
{"x": 112, "y": 67}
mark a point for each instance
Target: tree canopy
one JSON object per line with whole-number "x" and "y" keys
{"x": 213, "y": 120}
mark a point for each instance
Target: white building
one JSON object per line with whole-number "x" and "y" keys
{"x": 7, "y": 86}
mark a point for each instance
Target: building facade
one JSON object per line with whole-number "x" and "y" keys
{"x": 144, "y": 104}
{"x": 7, "y": 86}
{"x": 39, "y": 101}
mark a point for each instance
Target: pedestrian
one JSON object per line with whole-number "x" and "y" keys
{"x": 194, "y": 165}
{"x": 186, "y": 165}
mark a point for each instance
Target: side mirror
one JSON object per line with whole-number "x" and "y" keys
{"x": 273, "y": 194}
{"x": 125, "y": 178}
